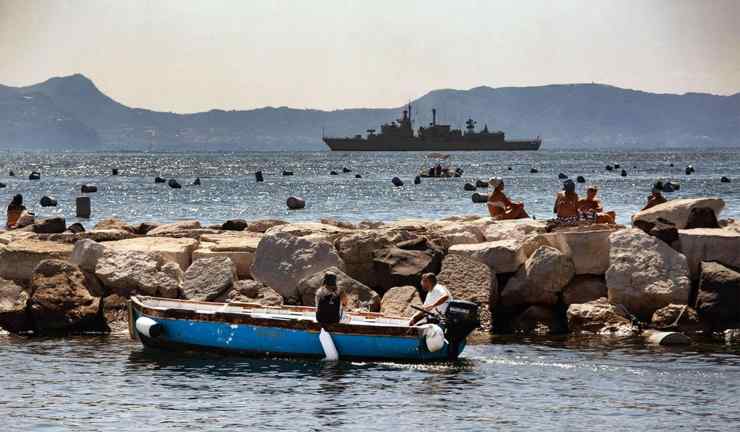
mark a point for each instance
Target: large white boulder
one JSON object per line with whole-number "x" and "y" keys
{"x": 128, "y": 272}
{"x": 645, "y": 274}
{"x": 458, "y": 233}
{"x": 177, "y": 250}
{"x": 589, "y": 249}
{"x": 240, "y": 249}
{"x": 206, "y": 279}
{"x": 503, "y": 256}
{"x": 313, "y": 230}
{"x": 540, "y": 280}
{"x": 710, "y": 244}
{"x": 19, "y": 258}
{"x": 283, "y": 259}
{"x": 174, "y": 229}
{"x": 677, "y": 211}
{"x": 516, "y": 229}
{"x": 397, "y": 301}
{"x": 86, "y": 254}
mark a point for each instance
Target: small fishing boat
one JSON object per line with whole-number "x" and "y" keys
{"x": 253, "y": 329}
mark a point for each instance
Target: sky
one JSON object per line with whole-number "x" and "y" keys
{"x": 188, "y": 56}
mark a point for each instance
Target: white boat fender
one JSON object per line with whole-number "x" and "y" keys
{"x": 330, "y": 350}
{"x": 434, "y": 337}
{"x": 148, "y": 327}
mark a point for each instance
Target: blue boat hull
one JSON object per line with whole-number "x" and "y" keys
{"x": 247, "y": 339}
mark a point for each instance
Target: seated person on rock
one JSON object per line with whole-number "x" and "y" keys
{"x": 499, "y": 205}
{"x": 438, "y": 297}
{"x": 330, "y": 301}
{"x": 566, "y": 204}
{"x": 656, "y": 197}
{"x": 590, "y": 208}
{"x": 15, "y": 208}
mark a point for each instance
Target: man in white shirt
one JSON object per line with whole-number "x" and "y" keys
{"x": 438, "y": 297}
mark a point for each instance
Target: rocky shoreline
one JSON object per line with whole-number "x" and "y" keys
{"x": 676, "y": 269}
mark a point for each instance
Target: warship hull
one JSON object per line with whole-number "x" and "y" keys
{"x": 419, "y": 144}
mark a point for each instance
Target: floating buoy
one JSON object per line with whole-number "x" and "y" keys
{"x": 417, "y": 180}
{"x": 609, "y": 168}
{"x": 2, "y": 185}
{"x": 508, "y": 168}
{"x": 690, "y": 170}
{"x": 562, "y": 176}
{"x": 434, "y": 337}
{"x": 88, "y": 188}
{"x": 35, "y": 175}
{"x": 469, "y": 187}
{"x": 333, "y": 173}
{"x": 624, "y": 173}
{"x": 580, "y": 179}
{"x": 725, "y": 180}
{"x": 481, "y": 184}
{"x": 174, "y": 184}
{"x": 196, "y": 182}
{"x": 159, "y": 180}
{"x": 533, "y": 171}
{"x": 148, "y": 327}
{"x": 114, "y": 171}
{"x": 671, "y": 165}
{"x": 358, "y": 176}
{"x": 11, "y": 173}
{"x": 396, "y": 182}
{"x": 287, "y": 173}
{"x": 479, "y": 197}
{"x": 47, "y": 201}
{"x": 346, "y": 170}
{"x": 258, "y": 176}
{"x": 295, "y": 203}
{"x": 83, "y": 207}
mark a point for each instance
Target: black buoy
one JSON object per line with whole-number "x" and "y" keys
{"x": 196, "y": 182}
{"x": 174, "y": 184}
{"x": 609, "y": 168}
{"x": 481, "y": 184}
{"x": 35, "y": 175}
{"x": 287, "y": 173}
{"x": 417, "y": 180}
{"x": 258, "y": 176}
{"x": 617, "y": 166}
{"x": 159, "y": 180}
{"x": 2, "y": 185}
{"x": 509, "y": 168}
{"x": 295, "y": 203}
{"x": 396, "y": 182}
{"x": 690, "y": 170}
{"x": 333, "y": 173}
{"x": 479, "y": 197}
{"x": 624, "y": 173}
{"x": 88, "y": 189}
{"x": 671, "y": 165}
{"x": 346, "y": 170}
{"x": 725, "y": 179}
{"x": 114, "y": 171}
{"x": 533, "y": 171}
{"x": 469, "y": 187}
{"x": 47, "y": 202}
{"x": 581, "y": 179}
{"x": 358, "y": 176}
{"x": 11, "y": 173}
{"x": 668, "y": 187}
{"x": 562, "y": 176}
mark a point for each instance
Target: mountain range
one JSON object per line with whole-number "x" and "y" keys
{"x": 71, "y": 113}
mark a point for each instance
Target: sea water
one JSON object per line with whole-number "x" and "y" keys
{"x": 228, "y": 188}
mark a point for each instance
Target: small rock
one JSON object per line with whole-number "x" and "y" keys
{"x": 2, "y": 185}
{"x": 598, "y": 316}
{"x": 114, "y": 224}
{"x": 262, "y": 225}
{"x": 52, "y": 225}
{"x": 86, "y": 254}
{"x": 14, "y": 316}
{"x": 47, "y": 202}
{"x": 296, "y": 203}
{"x": 674, "y": 317}
{"x": 718, "y": 300}
{"x": 11, "y": 173}
{"x": 234, "y": 225}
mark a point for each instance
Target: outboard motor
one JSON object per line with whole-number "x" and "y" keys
{"x": 461, "y": 319}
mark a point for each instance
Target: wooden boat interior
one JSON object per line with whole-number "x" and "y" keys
{"x": 285, "y": 312}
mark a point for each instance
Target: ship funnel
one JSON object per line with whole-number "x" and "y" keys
{"x": 434, "y": 117}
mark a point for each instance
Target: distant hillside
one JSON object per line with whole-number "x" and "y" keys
{"x": 70, "y": 113}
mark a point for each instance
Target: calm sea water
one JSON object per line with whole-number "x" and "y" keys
{"x": 229, "y": 189}
{"x": 112, "y": 384}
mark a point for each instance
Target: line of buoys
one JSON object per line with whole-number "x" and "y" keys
{"x": 88, "y": 188}
{"x": 47, "y": 201}
{"x": 258, "y": 176}
{"x": 617, "y": 166}
{"x": 295, "y": 203}
{"x": 174, "y": 184}
{"x": 159, "y": 179}
{"x": 397, "y": 182}
{"x": 35, "y": 175}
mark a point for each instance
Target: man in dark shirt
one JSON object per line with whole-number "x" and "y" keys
{"x": 329, "y": 300}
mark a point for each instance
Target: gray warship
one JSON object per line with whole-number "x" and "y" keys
{"x": 399, "y": 136}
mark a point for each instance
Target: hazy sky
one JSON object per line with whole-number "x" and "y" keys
{"x": 189, "y": 56}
